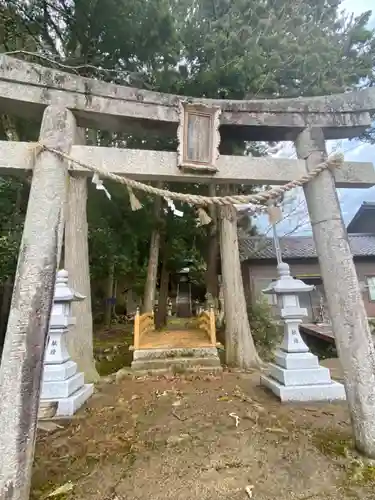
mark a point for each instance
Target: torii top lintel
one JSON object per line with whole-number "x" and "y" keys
{"x": 26, "y": 89}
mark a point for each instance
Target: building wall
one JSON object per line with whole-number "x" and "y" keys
{"x": 258, "y": 275}
{"x": 364, "y": 270}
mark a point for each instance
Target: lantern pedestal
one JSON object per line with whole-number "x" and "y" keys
{"x": 296, "y": 374}
{"x": 61, "y": 381}
{"x": 333, "y": 391}
{"x": 67, "y": 406}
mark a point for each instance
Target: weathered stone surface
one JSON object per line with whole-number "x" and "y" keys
{"x": 122, "y": 374}
{"x": 103, "y": 105}
{"x": 140, "y": 165}
{"x": 22, "y": 362}
{"x": 180, "y": 363}
{"x": 193, "y": 352}
{"x": 108, "y": 379}
{"x": 179, "y": 360}
{"x": 47, "y": 410}
{"x": 344, "y": 297}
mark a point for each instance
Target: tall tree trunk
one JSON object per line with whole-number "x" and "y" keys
{"x": 5, "y": 304}
{"x": 161, "y": 315}
{"x": 153, "y": 261}
{"x": 76, "y": 262}
{"x": 76, "y": 258}
{"x": 212, "y": 282}
{"x": 108, "y": 295}
{"x": 245, "y": 273}
{"x": 114, "y": 315}
{"x": 239, "y": 344}
{"x": 163, "y": 297}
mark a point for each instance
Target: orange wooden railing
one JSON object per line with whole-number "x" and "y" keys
{"x": 207, "y": 323}
{"x": 143, "y": 323}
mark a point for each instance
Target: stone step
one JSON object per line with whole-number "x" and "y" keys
{"x": 178, "y": 362}
{"x": 172, "y": 353}
{"x": 186, "y": 369}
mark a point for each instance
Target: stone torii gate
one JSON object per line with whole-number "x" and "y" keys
{"x": 66, "y": 102}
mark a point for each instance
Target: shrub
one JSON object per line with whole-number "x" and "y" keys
{"x": 266, "y": 333}
{"x": 371, "y": 322}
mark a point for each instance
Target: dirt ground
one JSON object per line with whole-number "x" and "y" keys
{"x": 176, "y": 438}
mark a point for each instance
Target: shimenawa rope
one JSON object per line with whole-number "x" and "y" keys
{"x": 335, "y": 161}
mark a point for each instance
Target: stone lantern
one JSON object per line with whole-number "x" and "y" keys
{"x": 61, "y": 381}
{"x": 296, "y": 374}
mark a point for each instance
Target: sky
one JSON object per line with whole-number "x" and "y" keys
{"x": 295, "y": 213}
{"x": 358, "y": 6}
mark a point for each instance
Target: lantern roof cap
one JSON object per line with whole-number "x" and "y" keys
{"x": 62, "y": 291}
{"x": 286, "y": 284}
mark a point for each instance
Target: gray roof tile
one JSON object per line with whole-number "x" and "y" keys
{"x": 299, "y": 247}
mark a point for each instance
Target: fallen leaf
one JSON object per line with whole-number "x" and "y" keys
{"x": 236, "y": 417}
{"x": 276, "y": 430}
{"x": 61, "y": 490}
{"x": 48, "y": 426}
{"x": 259, "y": 408}
{"x": 239, "y": 394}
{"x": 249, "y": 490}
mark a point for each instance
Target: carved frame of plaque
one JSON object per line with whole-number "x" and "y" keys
{"x": 189, "y": 112}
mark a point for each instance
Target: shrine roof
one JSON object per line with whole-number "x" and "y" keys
{"x": 299, "y": 247}
{"x": 364, "y": 220}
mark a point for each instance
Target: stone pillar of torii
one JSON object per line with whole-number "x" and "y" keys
{"x": 68, "y": 102}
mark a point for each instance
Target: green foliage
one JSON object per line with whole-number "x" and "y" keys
{"x": 372, "y": 325}
{"x": 12, "y": 211}
{"x": 266, "y": 334}
{"x": 213, "y": 48}
{"x": 115, "y": 232}
{"x": 185, "y": 240}
{"x": 272, "y": 48}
